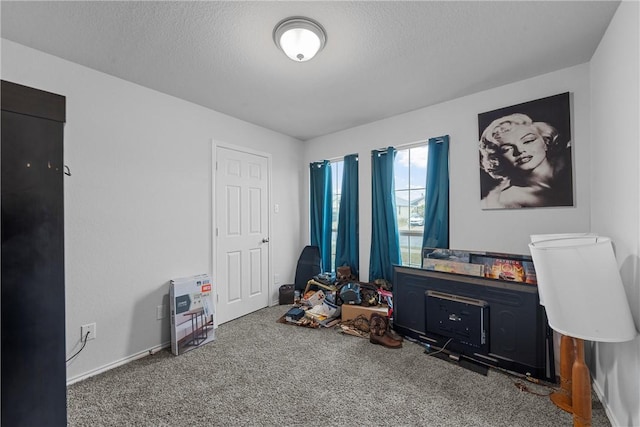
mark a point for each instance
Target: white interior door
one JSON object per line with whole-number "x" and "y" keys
{"x": 242, "y": 226}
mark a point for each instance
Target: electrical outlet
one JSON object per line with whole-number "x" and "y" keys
{"x": 90, "y": 329}
{"x": 161, "y": 312}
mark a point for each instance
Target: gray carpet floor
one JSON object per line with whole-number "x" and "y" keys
{"x": 262, "y": 373}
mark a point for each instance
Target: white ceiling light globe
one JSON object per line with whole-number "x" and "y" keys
{"x": 300, "y": 44}
{"x": 299, "y": 38}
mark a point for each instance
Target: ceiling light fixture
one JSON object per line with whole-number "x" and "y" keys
{"x": 299, "y": 38}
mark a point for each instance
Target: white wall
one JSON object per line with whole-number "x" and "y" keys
{"x": 615, "y": 212}
{"x": 470, "y": 227}
{"x": 138, "y": 203}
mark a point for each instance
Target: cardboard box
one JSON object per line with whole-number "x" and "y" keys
{"x": 352, "y": 311}
{"x": 192, "y": 310}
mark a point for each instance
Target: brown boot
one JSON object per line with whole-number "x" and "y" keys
{"x": 379, "y": 332}
{"x": 378, "y": 324}
{"x": 385, "y": 340}
{"x": 393, "y": 334}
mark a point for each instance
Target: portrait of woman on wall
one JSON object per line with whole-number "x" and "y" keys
{"x": 525, "y": 155}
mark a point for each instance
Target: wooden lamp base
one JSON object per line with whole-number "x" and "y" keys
{"x": 574, "y": 395}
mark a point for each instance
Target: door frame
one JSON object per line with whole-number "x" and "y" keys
{"x": 215, "y": 144}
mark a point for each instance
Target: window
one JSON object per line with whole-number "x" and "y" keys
{"x": 337, "y": 167}
{"x": 410, "y": 176}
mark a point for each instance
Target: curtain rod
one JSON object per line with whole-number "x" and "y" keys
{"x": 334, "y": 159}
{"x": 403, "y": 146}
{"x": 411, "y": 144}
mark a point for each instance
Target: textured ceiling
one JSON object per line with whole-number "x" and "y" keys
{"x": 381, "y": 58}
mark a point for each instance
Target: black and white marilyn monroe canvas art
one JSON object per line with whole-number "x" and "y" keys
{"x": 525, "y": 155}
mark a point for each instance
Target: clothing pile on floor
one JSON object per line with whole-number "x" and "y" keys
{"x": 355, "y": 308}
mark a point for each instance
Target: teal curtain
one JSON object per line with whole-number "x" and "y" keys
{"x": 347, "y": 252}
{"x": 320, "y": 210}
{"x": 436, "y": 222}
{"x": 385, "y": 241}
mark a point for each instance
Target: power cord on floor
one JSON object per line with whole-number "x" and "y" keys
{"x": 84, "y": 342}
{"x": 527, "y": 377}
{"x": 431, "y": 353}
{"x": 521, "y": 386}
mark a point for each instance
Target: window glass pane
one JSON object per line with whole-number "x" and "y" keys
{"x": 418, "y": 169}
{"x": 337, "y": 177}
{"x": 401, "y": 170}
{"x": 336, "y": 186}
{"x": 410, "y": 175}
{"x": 404, "y": 248}
{"x": 415, "y": 251}
{"x": 402, "y": 206}
{"x": 411, "y": 249}
{"x": 416, "y": 210}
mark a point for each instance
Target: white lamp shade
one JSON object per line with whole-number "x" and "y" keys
{"x": 299, "y": 38}
{"x": 540, "y": 237}
{"x": 583, "y": 292}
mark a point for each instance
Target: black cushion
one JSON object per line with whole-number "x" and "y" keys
{"x": 308, "y": 266}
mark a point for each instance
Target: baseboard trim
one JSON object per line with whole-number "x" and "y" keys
{"x": 605, "y": 404}
{"x": 123, "y": 361}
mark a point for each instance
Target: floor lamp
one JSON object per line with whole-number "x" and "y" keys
{"x": 561, "y": 398}
{"x": 585, "y": 300}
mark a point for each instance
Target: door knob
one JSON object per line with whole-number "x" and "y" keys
{"x": 266, "y": 240}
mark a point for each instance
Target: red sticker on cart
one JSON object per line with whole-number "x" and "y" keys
{"x": 206, "y": 288}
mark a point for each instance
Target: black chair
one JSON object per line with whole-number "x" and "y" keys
{"x": 308, "y": 266}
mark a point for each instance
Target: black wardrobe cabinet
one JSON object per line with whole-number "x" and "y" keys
{"x": 33, "y": 311}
